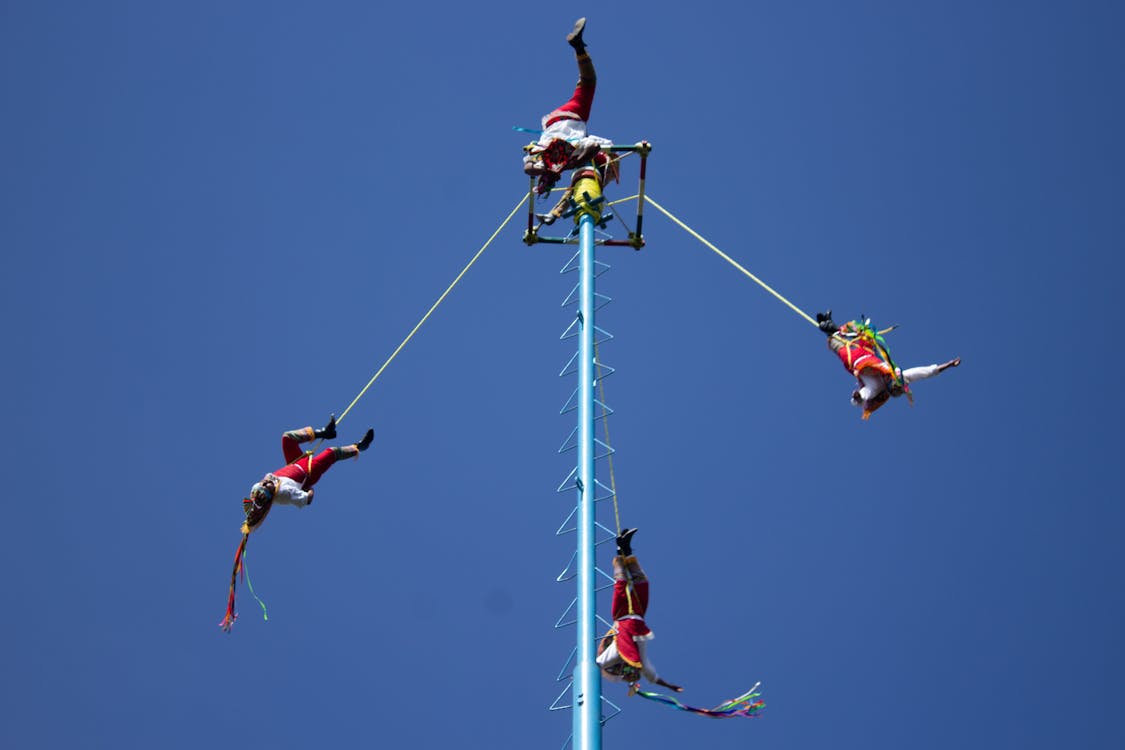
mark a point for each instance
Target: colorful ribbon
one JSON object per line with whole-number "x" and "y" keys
{"x": 747, "y": 704}
{"x": 240, "y": 567}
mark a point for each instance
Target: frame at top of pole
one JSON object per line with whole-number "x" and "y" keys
{"x": 636, "y": 237}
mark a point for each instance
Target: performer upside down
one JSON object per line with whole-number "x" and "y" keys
{"x": 877, "y": 378}
{"x": 623, "y": 652}
{"x": 292, "y": 484}
{"x": 565, "y": 143}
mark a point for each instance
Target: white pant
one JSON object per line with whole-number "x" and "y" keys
{"x": 871, "y": 383}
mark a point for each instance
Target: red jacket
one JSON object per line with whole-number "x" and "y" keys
{"x": 856, "y": 354}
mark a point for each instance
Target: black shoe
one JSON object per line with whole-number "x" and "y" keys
{"x": 824, "y": 322}
{"x": 625, "y": 542}
{"x": 328, "y": 431}
{"x": 574, "y": 38}
{"x": 363, "y": 445}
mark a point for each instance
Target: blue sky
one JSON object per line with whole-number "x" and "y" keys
{"x": 219, "y": 221}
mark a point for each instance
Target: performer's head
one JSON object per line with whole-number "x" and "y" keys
{"x": 630, "y": 674}
{"x": 258, "y": 505}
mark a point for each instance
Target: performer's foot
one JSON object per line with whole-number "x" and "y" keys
{"x": 547, "y": 219}
{"x": 574, "y": 38}
{"x": 364, "y": 444}
{"x": 328, "y": 431}
{"x": 625, "y": 542}
{"x": 951, "y": 363}
{"x": 824, "y": 322}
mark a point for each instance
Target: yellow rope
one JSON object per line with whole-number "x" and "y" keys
{"x": 728, "y": 259}
{"x": 612, "y": 477}
{"x": 431, "y": 310}
{"x": 605, "y": 424}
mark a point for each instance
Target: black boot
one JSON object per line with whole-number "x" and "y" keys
{"x": 824, "y": 322}
{"x": 625, "y": 542}
{"x": 328, "y": 431}
{"x": 574, "y": 38}
{"x": 364, "y": 444}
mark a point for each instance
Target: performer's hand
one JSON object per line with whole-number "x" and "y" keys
{"x": 310, "y": 496}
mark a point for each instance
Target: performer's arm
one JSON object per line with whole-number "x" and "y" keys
{"x": 293, "y": 496}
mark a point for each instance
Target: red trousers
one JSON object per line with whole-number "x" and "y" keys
{"x": 580, "y": 103}
{"x": 621, "y": 597}
{"x": 301, "y": 468}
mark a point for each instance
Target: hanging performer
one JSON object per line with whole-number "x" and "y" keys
{"x": 864, "y": 354}
{"x": 292, "y": 484}
{"x": 622, "y": 653}
{"x": 564, "y": 143}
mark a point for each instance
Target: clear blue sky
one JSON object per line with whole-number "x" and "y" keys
{"x": 218, "y": 220}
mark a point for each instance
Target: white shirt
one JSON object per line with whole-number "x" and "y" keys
{"x": 288, "y": 492}
{"x": 572, "y": 131}
{"x": 610, "y": 658}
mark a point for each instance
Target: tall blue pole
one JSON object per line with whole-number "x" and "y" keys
{"x": 587, "y": 696}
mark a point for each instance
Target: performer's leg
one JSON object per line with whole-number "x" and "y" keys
{"x": 640, "y": 586}
{"x": 291, "y": 443}
{"x": 912, "y": 374}
{"x": 625, "y": 599}
{"x": 620, "y": 605}
{"x": 921, "y": 373}
{"x": 322, "y": 461}
{"x": 630, "y": 587}
{"x": 873, "y": 382}
{"x": 582, "y": 99}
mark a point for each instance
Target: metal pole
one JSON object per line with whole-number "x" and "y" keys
{"x": 587, "y": 697}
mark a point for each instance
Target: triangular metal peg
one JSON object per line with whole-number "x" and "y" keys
{"x": 572, "y": 264}
{"x": 616, "y": 710}
{"x": 571, "y": 403}
{"x": 563, "y": 528}
{"x": 568, "y": 483}
{"x": 610, "y": 535}
{"x": 565, "y": 673}
{"x": 556, "y": 706}
{"x": 603, "y": 574}
{"x": 571, "y": 441}
{"x": 606, "y": 492}
{"x": 602, "y": 370}
{"x": 559, "y": 623}
{"x": 563, "y": 576}
{"x": 572, "y": 298}
{"x": 571, "y": 367}
{"x": 572, "y": 329}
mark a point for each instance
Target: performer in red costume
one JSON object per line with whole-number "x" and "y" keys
{"x": 565, "y": 144}
{"x": 877, "y": 380}
{"x": 293, "y": 483}
{"x": 622, "y": 654}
